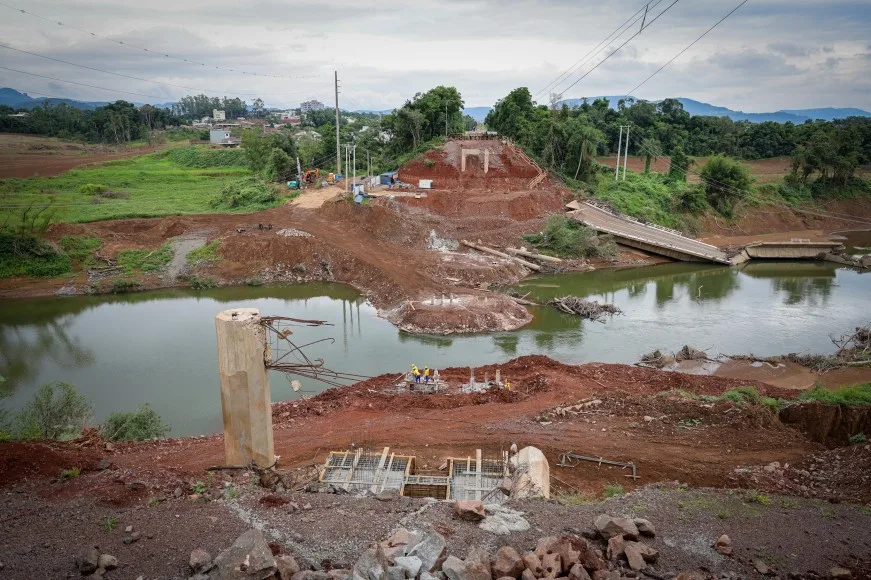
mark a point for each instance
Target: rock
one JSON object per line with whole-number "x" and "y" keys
{"x": 285, "y": 566}
{"x": 339, "y": 574}
{"x": 197, "y": 577}
{"x": 371, "y": 565}
{"x": 634, "y": 557}
{"x": 88, "y": 563}
{"x": 503, "y": 521}
{"x": 645, "y": 528}
{"x": 508, "y": 563}
{"x": 760, "y": 566}
{"x": 724, "y": 545}
{"x": 411, "y": 565}
{"x": 427, "y": 576}
{"x": 505, "y": 485}
{"x": 470, "y": 509}
{"x": 588, "y": 556}
{"x": 177, "y": 493}
{"x": 430, "y": 550}
{"x": 527, "y": 575}
{"x": 311, "y": 575}
{"x": 395, "y": 573}
{"x": 107, "y": 562}
{"x": 649, "y": 554}
{"x": 616, "y": 548}
{"x": 691, "y": 576}
{"x": 248, "y": 558}
{"x": 610, "y": 526}
{"x": 648, "y": 419}
{"x": 199, "y": 561}
{"x": 128, "y": 530}
{"x": 562, "y": 546}
{"x": 772, "y": 467}
{"x": 552, "y": 565}
{"x": 470, "y": 569}
{"x": 840, "y": 573}
{"x": 578, "y": 573}
{"x": 387, "y": 495}
{"x": 533, "y": 564}
{"x": 481, "y": 556}
{"x": 109, "y": 447}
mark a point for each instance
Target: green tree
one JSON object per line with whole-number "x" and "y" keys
{"x": 652, "y": 150}
{"x": 726, "y": 181}
{"x": 257, "y": 148}
{"x": 680, "y": 164}
{"x": 279, "y": 166}
{"x": 57, "y": 410}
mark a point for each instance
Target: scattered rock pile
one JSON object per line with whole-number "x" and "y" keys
{"x": 94, "y": 565}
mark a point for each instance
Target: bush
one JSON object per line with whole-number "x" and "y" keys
{"x": 80, "y": 249}
{"x": 140, "y": 425}
{"x": 565, "y": 237}
{"x": 121, "y": 286}
{"x": 727, "y": 180}
{"x": 25, "y": 255}
{"x": 249, "y": 193}
{"x": 255, "y": 281}
{"x": 92, "y": 188}
{"x": 56, "y": 411}
{"x": 278, "y": 166}
{"x": 198, "y": 283}
{"x": 691, "y": 199}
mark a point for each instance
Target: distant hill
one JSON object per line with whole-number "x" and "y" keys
{"x": 828, "y": 113}
{"x": 11, "y": 97}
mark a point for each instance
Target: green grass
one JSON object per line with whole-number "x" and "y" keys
{"x": 80, "y": 250}
{"x": 207, "y": 254}
{"x": 205, "y": 158}
{"x": 145, "y": 260}
{"x": 613, "y": 490}
{"x": 29, "y": 256}
{"x": 122, "y": 286}
{"x": 749, "y": 395}
{"x": 851, "y": 396}
{"x": 156, "y": 186}
{"x": 570, "y": 499}
{"x": 858, "y": 439}
{"x": 71, "y": 473}
{"x": 198, "y": 283}
{"x": 111, "y": 523}
{"x": 753, "y": 496}
{"x": 652, "y": 198}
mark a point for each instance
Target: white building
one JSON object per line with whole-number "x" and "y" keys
{"x": 219, "y": 115}
{"x": 312, "y": 105}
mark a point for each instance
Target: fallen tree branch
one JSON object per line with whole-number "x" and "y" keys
{"x": 589, "y": 309}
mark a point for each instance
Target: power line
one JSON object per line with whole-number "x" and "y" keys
{"x": 82, "y": 84}
{"x": 150, "y": 51}
{"x": 705, "y": 33}
{"x": 6, "y": 46}
{"x": 587, "y": 57}
{"x": 586, "y": 74}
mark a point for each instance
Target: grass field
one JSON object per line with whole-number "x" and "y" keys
{"x": 150, "y": 185}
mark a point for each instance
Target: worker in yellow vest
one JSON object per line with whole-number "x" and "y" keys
{"x": 426, "y": 375}
{"x": 415, "y": 372}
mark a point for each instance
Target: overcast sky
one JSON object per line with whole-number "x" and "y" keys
{"x": 771, "y": 54}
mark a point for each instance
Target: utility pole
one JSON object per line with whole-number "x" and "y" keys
{"x": 619, "y": 147}
{"x": 626, "y": 153}
{"x": 354, "y": 151}
{"x": 368, "y": 165}
{"x": 446, "y": 119}
{"x": 298, "y": 173}
{"x": 338, "y": 158}
{"x": 347, "y": 163}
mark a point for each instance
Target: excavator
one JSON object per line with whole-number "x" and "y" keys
{"x": 312, "y": 175}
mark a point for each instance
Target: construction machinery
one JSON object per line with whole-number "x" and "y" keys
{"x": 312, "y": 175}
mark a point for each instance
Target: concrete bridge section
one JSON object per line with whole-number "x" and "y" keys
{"x": 650, "y": 238}
{"x": 793, "y": 250}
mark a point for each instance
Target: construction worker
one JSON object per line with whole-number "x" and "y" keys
{"x": 507, "y": 384}
{"x": 426, "y": 375}
{"x": 415, "y": 372}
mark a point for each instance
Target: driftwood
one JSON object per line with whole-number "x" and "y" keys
{"x": 487, "y": 250}
{"x": 589, "y": 309}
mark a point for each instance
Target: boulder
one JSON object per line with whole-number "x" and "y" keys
{"x": 470, "y": 569}
{"x": 311, "y": 575}
{"x": 533, "y": 564}
{"x": 411, "y": 565}
{"x": 562, "y": 546}
{"x": 400, "y": 543}
{"x": 552, "y": 565}
{"x": 724, "y": 545}
{"x": 508, "y": 563}
{"x": 578, "y": 573}
{"x": 480, "y": 557}
{"x": 527, "y": 575}
{"x": 839, "y": 573}
{"x": 761, "y": 566}
{"x": 339, "y": 574}
{"x": 395, "y": 573}
{"x": 249, "y": 558}
{"x": 649, "y": 554}
{"x": 430, "y": 550}
{"x": 610, "y": 526}
{"x": 503, "y": 521}
{"x": 645, "y": 528}
{"x": 286, "y": 566}
{"x": 588, "y": 556}
{"x": 88, "y": 563}
{"x": 371, "y": 565}
{"x": 634, "y": 557}
{"x": 471, "y": 510}
{"x": 200, "y": 561}
{"x": 107, "y": 562}
{"x": 616, "y": 548}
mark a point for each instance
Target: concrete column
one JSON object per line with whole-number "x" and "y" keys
{"x": 486, "y": 160}
{"x": 463, "y": 160}
{"x": 245, "y": 398}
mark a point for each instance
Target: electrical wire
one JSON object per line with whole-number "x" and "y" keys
{"x": 24, "y": 72}
{"x": 593, "y": 52}
{"x": 149, "y": 51}
{"x": 705, "y": 33}
{"x": 616, "y": 50}
{"x": 126, "y": 76}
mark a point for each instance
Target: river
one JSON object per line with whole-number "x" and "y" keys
{"x": 159, "y": 347}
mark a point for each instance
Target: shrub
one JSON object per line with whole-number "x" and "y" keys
{"x": 198, "y": 283}
{"x": 70, "y": 473}
{"x": 206, "y": 254}
{"x": 56, "y": 411}
{"x": 121, "y": 286}
{"x": 140, "y": 425}
{"x": 80, "y": 249}
{"x": 278, "y": 166}
{"x": 428, "y": 163}
{"x": 858, "y": 439}
{"x": 92, "y": 188}
{"x": 565, "y": 237}
{"x": 249, "y": 193}
{"x": 613, "y": 490}
{"x": 26, "y": 255}
{"x": 727, "y": 180}
{"x": 691, "y": 199}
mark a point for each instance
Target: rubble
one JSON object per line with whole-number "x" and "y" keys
{"x": 248, "y": 558}
{"x": 471, "y": 510}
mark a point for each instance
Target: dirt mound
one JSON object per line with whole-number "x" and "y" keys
{"x": 830, "y": 424}
{"x": 20, "y": 462}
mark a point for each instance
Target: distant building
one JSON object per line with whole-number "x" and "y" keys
{"x": 311, "y": 106}
{"x": 219, "y": 115}
{"x": 223, "y": 137}
{"x": 289, "y": 115}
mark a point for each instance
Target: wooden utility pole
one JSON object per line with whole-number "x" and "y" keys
{"x": 338, "y": 154}
{"x": 245, "y": 397}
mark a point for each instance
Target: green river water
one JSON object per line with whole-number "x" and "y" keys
{"x": 159, "y": 347}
